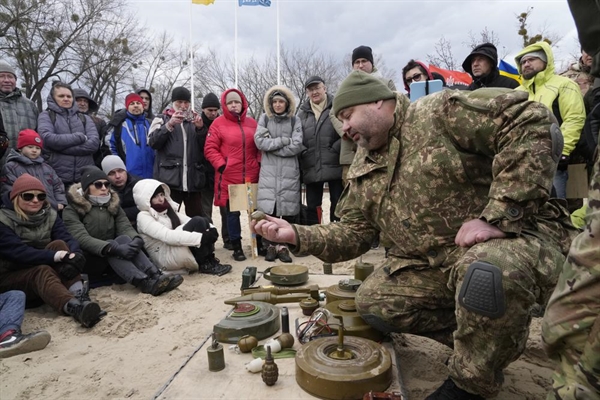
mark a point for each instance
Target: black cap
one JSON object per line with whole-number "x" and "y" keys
{"x": 313, "y": 79}
{"x": 181, "y": 93}
{"x": 211, "y": 100}
{"x": 362, "y": 52}
{"x": 91, "y": 174}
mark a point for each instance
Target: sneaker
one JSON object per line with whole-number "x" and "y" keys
{"x": 271, "y": 253}
{"x": 85, "y": 312}
{"x": 284, "y": 255}
{"x": 14, "y": 343}
{"x": 449, "y": 391}
{"x": 238, "y": 255}
{"x": 227, "y": 245}
{"x": 174, "y": 281}
{"x": 155, "y": 286}
{"x": 213, "y": 266}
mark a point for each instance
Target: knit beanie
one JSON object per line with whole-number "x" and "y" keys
{"x": 231, "y": 96}
{"x": 211, "y": 100}
{"x": 24, "y": 183}
{"x": 89, "y": 175}
{"x": 29, "y": 137}
{"x": 5, "y": 67}
{"x": 360, "y": 88}
{"x": 131, "y": 97}
{"x": 278, "y": 95}
{"x": 112, "y": 162}
{"x": 362, "y": 52}
{"x": 181, "y": 93}
{"x": 541, "y": 54}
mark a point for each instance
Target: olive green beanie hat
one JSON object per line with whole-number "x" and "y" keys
{"x": 360, "y": 88}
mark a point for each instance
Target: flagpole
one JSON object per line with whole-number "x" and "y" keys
{"x": 278, "y": 49}
{"x": 235, "y": 52}
{"x": 191, "y": 58}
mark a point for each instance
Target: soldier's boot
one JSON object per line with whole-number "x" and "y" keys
{"x": 449, "y": 391}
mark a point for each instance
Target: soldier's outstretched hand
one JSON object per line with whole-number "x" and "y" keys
{"x": 275, "y": 230}
{"x": 477, "y": 231}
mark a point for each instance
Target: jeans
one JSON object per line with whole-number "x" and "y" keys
{"x": 233, "y": 224}
{"x": 314, "y": 199}
{"x": 136, "y": 269}
{"x": 560, "y": 183}
{"x": 12, "y": 311}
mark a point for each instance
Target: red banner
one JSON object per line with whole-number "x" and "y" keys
{"x": 452, "y": 77}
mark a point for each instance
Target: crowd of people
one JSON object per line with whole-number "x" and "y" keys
{"x": 463, "y": 188}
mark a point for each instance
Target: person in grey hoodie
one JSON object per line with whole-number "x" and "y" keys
{"x": 70, "y": 138}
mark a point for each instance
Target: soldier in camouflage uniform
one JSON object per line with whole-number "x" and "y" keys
{"x": 571, "y": 328}
{"x": 459, "y": 182}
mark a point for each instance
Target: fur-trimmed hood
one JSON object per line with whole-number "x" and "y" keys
{"x": 285, "y": 92}
{"x": 83, "y": 206}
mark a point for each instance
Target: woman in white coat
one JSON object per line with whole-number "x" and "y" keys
{"x": 175, "y": 242}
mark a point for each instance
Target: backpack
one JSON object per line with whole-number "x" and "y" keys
{"x": 52, "y": 115}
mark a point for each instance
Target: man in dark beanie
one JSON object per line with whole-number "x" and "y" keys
{"x": 177, "y": 136}
{"x": 482, "y": 65}
{"x": 459, "y": 183}
{"x": 362, "y": 60}
{"x": 16, "y": 111}
{"x": 210, "y": 111}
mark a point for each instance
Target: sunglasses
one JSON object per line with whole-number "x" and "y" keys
{"x": 415, "y": 78}
{"x": 98, "y": 184}
{"x": 30, "y": 196}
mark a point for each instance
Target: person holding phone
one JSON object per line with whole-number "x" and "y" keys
{"x": 176, "y": 136}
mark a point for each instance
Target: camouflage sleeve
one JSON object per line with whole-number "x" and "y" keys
{"x": 338, "y": 241}
{"x": 516, "y": 135}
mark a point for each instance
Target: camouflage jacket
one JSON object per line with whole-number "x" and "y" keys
{"x": 451, "y": 157}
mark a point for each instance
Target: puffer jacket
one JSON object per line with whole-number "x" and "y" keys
{"x": 93, "y": 225}
{"x": 18, "y": 113}
{"x": 23, "y": 242}
{"x": 168, "y": 248}
{"x": 179, "y": 159}
{"x": 279, "y": 138}
{"x": 17, "y": 164}
{"x": 230, "y": 144}
{"x": 68, "y": 144}
{"x": 129, "y": 140}
{"x": 320, "y": 162}
{"x": 558, "y": 93}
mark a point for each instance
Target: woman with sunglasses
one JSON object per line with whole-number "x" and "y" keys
{"x": 38, "y": 255}
{"x": 109, "y": 242}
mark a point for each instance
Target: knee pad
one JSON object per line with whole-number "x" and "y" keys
{"x": 482, "y": 291}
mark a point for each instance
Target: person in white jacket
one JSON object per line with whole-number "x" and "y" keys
{"x": 175, "y": 242}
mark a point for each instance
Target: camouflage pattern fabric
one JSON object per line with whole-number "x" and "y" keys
{"x": 571, "y": 328}
{"x": 452, "y": 157}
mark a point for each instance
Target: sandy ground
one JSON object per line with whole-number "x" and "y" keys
{"x": 145, "y": 340}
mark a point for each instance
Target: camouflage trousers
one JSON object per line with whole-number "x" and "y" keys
{"x": 571, "y": 327}
{"x": 424, "y": 301}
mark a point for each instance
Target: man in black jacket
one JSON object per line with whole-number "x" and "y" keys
{"x": 481, "y": 64}
{"x": 123, "y": 183}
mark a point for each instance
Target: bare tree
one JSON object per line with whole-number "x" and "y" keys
{"x": 443, "y": 57}
{"x": 544, "y": 33}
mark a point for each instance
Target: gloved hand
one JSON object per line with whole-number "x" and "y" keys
{"x": 72, "y": 264}
{"x": 563, "y": 163}
{"x": 209, "y": 236}
{"x": 286, "y": 141}
{"x": 126, "y": 250}
{"x": 75, "y": 259}
{"x": 137, "y": 242}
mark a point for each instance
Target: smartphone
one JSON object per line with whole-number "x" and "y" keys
{"x": 422, "y": 89}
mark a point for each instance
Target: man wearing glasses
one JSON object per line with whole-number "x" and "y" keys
{"x": 362, "y": 60}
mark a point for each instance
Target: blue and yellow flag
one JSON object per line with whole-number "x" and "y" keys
{"x": 508, "y": 70}
{"x": 264, "y": 3}
{"x": 205, "y": 2}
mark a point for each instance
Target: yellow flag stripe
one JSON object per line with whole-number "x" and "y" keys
{"x": 205, "y": 2}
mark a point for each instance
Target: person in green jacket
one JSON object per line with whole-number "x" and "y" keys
{"x": 561, "y": 95}
{"x": 107, "y": 238}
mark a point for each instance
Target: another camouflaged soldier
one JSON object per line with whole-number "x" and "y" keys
{"x": 459, "y": 182}
{"x": 571, "y": 328}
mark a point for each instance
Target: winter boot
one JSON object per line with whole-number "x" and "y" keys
{"x": 84, "y": 294}
{"x": 85, "y": 312}
{"x": 213, "y": 266}
{"x": 449, "y": 391}
{"x": 227, "y": 244}
{"x": 284, "y": 255}
{"x": 14, "y": 342}
{"x": 174, "y": 281}
{"x": 271, "y": 253}
{"x": 238, "y": 253}
{"x": 152, "y": 285}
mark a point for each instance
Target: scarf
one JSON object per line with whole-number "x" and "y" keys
{"x": 318, "y": 108}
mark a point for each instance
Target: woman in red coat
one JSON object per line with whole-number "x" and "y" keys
{"x": 231, "y": 150}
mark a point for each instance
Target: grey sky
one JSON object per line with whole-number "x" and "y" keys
{"x": 398, "y": 30}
